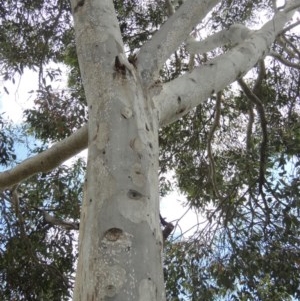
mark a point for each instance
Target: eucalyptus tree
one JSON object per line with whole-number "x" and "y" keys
{"x": 173, "y": 82}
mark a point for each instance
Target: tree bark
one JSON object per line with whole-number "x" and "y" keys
{"x": 120, "y": 238}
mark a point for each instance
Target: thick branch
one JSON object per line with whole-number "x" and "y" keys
{"x": 47, "y": 160}
{"x": 234, "y": 35}
{"x": 154, "y": 54}
{"x": 179, "y": 96}
{"x": 291, "y": 6}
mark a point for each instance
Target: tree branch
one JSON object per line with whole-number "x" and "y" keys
{"x": 291, "y": 5}
{"x": 47, "y": 160}
{"x": 215, "y": 125}
{"x": 16, "y": 205}
{"x": 179, "y": 96}
{"x": 288, "y": 28}
{"x": 169, "y": 8}
{"x": 284, "y": 61}
{"x": 263, "y": 122}
{"x": 234, "y": 35}
{"x": 54, "y": 221}
{"x": 173, "y": 32}
{"x": 285, "y": 43}
{"x": 249, "y": 127}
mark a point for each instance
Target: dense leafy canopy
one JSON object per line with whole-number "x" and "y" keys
{"x": 235, "y": 157}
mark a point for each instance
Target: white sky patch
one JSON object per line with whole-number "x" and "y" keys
{"x": 23, "y": 92}
{"x": 172, "y": 209}
{"x": 280, "y": 3}
{"x": 19, "y": 98}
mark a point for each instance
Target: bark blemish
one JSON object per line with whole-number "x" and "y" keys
{"x": 137, "y": 175}
{"x": 126, "y": 113}
{"x": 147, "y": 285}
{"x": 111, "y": 280}
{"x": 110, "y": 290}
{"x": 113, "y": 234}
{"x": 137, "y": 145}
{"x": 146, "y": 126}
{"x": 119, "y": 67}
{"x": 134, "y": 195}
{"x": 102, "y": 130}
{"x": 79, "y": 4}
{"x": 180, "y": 110}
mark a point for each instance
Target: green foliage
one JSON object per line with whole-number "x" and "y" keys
{"x": 7, "y": 153}
{"x": 57, "y": 114}
{"x": 37, "y": 259}
{"x": 138, "y": 21}
{"x": 31, "y": 33}
{"x": 257, "y": 230}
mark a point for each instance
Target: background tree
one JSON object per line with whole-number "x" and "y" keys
{"x": 234, "y": 149}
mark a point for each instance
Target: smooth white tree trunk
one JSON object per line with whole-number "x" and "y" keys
{"x": 120, "y": 237}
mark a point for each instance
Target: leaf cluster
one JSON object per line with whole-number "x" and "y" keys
{"x": 7, "y": 152}
{"x": 37, "y": 259}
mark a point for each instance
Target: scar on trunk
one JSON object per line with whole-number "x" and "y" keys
{"x": 79, "y": 4}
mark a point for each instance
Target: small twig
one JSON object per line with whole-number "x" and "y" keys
{"x": 249, "y": 127}
{"x": 213, "y": 128}
{"x": 16, "y": 204}
{"x": 263, "y": 122}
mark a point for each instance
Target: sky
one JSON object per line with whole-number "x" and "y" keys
{"x": 19, "y": 98}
